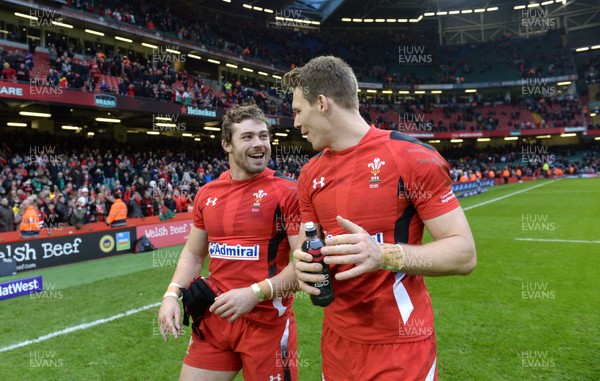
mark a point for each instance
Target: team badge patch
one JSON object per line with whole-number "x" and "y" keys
{"x": 258, "y": 196}
{"x": 375, "y": 169}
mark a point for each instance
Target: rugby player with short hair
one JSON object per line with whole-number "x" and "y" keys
{"x": 372, "y": 193}
{"x": 246, "y": 221}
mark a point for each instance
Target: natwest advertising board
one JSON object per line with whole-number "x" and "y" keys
{"x": 166, "y": 233}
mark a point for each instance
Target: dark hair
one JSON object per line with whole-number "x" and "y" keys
{"x": 237, "y": 115}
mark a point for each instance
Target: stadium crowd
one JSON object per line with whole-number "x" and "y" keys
{"x": 15, "y": 65}
{"x": 516, "y": 162}
{"x": 248, "y": 37}
{"x": 445, "y": 114}
{"x": 80, "y": 183}
{"x": 148, "y": 79}
{"x": 160, "y": 81}
{"x": 373, "y": 53}
{"x": 72, "y": 185}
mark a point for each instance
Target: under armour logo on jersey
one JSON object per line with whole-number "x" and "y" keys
{"x": 320, "y": 182}
{"x": 275, "y": 378}
{"x": 211, "y": 201}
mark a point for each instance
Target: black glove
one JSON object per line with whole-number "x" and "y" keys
{"x": 197, "y": 298}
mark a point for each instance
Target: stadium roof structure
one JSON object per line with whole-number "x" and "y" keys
{"x": 374, "y": 8}
{"x": 318, "y": 9}
{"x": 334, "y": 10}
{"x": 455, "y": 21}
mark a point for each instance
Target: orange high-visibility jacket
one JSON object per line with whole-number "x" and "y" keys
{"x": 30, "y": 220}
{"x": 118, "y": 213}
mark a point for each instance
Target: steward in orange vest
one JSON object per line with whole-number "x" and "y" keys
{"x": 519, "y": 173}
{"x": 118, "y": 213}
{"x": 506, "y": 175}
{"x": 30, "y": 224}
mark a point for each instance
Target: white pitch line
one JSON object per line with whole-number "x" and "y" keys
{"x": 506, "y": 196}
{"x": 78, "y": 328}
{"x": 569, "y": 192}
{"x": 555, "y": 240}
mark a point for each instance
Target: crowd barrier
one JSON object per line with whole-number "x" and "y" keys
{"x": 63, "y": 245}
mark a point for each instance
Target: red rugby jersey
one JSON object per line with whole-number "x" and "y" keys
{"x": 247, "y": 222}
{"x": 387, "y": 184}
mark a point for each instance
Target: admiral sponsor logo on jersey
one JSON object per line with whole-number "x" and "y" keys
{"x": 223, "y": 250}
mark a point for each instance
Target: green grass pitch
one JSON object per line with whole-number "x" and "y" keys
{"x": 530, "y": 311}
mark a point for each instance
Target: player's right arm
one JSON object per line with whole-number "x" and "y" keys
{"x": 191, "y": 262}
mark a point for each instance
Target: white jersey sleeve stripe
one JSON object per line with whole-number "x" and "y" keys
{"x": 280, "y": 307}
{"x": 403, "y": 301}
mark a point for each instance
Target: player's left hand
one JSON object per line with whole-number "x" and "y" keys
{"x": 234, "y": 303}
{"x": 357, "y": 248}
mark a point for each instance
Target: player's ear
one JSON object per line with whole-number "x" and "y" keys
{"x": 323, "y": 103}
{"x": 226, "y": 146}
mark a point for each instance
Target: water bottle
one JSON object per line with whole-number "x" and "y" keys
{"x": 313, "y": 246}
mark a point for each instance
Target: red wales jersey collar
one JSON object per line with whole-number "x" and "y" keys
{"x": 227, "y": 176}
